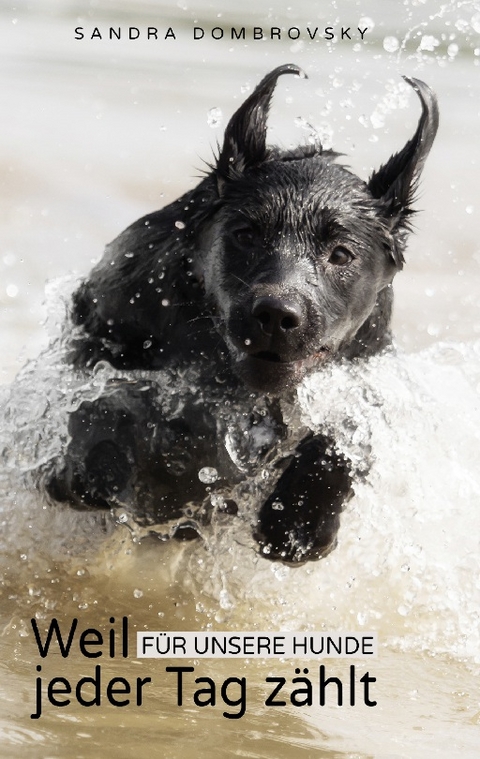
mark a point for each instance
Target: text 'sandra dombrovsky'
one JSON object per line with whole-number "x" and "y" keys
{"x": 308, "y": 33}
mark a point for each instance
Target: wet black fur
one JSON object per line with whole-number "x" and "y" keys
{"x": 277, "y": 262}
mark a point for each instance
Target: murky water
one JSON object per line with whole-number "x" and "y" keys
{"x": 96, "y": 133}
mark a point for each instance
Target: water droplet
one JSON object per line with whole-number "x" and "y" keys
{"x": 248, "y": 341}
{"x": 129, "y": 255}
{"x": 180, "y": 225}
{"x": 280, "y": 571}
{"x": 165, "y": 302}
{"x": 214, "y": 117}
{"x": 208, "y": 474}
{"x": 277, "y": 506}
{"x": 297, "y": 47}
{"x": 377, "y": 120}
{"x": 12, "y": 291}
{"x": 366, "y": 21}
{"x": 224, "y": 600}
{"x": 9, "y": 259}
{"x": 391, "y": 44}
{"x": 147, "y": 344}
{"x": 428, "y": 43}
{"x": 137, "y": 593}
{"x": 475, "y": 21}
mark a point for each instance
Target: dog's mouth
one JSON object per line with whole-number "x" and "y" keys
{"x": 275, "y": 358}
{"x": 268, "y": 356}
{"x": 269, "y": 372}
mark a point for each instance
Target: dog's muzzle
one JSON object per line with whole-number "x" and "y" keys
{"x": 271, "y": 344}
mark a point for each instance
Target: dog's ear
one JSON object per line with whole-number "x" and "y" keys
{"x": 395, "y": 183}
{"x": 244, "y": 143}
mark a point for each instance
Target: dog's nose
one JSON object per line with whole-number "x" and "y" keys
{"x": 276, "y": 314}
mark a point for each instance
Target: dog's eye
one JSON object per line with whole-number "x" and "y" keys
{"x": 243, "y": 235}
{"x": 340, "y": 256}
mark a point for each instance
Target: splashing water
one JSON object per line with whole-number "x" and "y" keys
{"x": 407, "y": 562}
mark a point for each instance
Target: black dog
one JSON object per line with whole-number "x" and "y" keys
{"x": 277, "y": 262}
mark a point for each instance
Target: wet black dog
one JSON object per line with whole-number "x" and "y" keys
{"x": 277, "y": 262}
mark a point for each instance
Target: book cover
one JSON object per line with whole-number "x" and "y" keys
{"x": 117, "y": 641}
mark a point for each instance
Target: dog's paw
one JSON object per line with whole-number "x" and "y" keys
{"x": 300, "y": 519}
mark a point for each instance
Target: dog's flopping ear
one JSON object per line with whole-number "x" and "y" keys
{"x": 244, "y": 143}
{"x": 395, "y": 183}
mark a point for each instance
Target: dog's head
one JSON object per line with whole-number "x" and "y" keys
{"x": 299, "y": 255}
